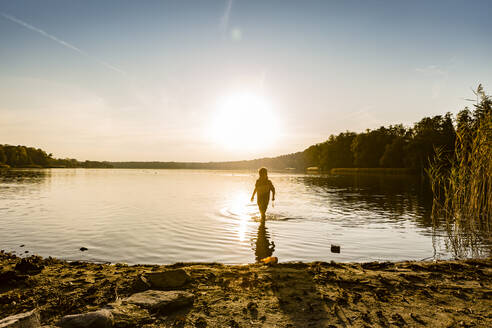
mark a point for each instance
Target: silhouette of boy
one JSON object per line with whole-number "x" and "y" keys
{"x": 263, "y": 187}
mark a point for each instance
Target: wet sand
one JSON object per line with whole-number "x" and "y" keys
{"x": 404, "y": 294}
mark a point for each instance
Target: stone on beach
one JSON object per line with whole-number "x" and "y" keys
{"x": 22, "y": 320}
{"x": 167, "y": 279}
{"x": 128, "y": 315}
{"x": 30, "y": 265}
{"x": 161, "y": 301}
{"x": 97, "y": 319}
{"x": 140, "y": 284}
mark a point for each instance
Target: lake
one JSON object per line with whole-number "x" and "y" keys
{"x": 166, "y": 216}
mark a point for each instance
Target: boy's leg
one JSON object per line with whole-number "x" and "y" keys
{"x": 262, "y": 207}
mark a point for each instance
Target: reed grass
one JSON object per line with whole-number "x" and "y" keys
{"x": 461, "y": 182}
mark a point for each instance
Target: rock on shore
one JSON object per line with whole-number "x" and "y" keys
{"x": 160, "y": 301}
{"x": 22, "y": 320}
{"x": 96, "y": 319}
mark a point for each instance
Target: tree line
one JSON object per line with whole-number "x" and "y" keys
{"x": 395, "y": 146}
{"x": 30, "y": 157}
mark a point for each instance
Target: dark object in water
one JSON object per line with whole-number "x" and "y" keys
{"x": 335, "y": 248}
{"x": 83, "y": 249}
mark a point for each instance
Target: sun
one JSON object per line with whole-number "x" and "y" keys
{"x": 244, "y": 121}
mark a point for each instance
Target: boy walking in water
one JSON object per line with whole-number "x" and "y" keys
{"x": 263, "y": 187}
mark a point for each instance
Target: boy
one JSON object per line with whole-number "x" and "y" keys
{"x": 263, "y": 187}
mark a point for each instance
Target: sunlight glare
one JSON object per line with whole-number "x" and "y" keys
{"x": 244, "y": 121}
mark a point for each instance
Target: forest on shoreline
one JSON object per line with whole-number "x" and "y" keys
{"x": 30, "y": 157}
{"x": 395, "y": 146}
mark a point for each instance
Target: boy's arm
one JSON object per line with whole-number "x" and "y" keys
{"x": 272, "y": 188}
{"x": 253, "y": 196}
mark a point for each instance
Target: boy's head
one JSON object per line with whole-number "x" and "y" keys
{"x": 263, "y": 172}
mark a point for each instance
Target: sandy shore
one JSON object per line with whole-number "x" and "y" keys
{"x": 405, "y": 294}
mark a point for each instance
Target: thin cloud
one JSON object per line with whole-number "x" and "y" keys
{"x": 224, "y": 21}
{"x": 59, "y": 41}
{"x": 431, "y": 70}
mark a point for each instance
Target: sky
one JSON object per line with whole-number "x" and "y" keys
{"x": 230, "y": 80}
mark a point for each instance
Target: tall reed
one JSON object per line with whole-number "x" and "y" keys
{"x": 461, "y": 182}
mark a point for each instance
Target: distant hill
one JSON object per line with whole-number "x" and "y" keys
{"x": 290, "y": 161}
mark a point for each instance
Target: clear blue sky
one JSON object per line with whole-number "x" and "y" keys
{"x": 146, "y": 80}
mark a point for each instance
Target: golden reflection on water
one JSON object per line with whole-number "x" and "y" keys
{"x": 243, "y": 210}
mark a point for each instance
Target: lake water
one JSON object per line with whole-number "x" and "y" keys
{"x": 166, "y": 216}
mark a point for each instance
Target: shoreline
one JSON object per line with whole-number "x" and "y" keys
{"x": 309, "y": 171}
{"x": 318, "y": 294}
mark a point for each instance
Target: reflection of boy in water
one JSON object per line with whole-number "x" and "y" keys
{"x": 262, "y": 188}
{"x": 263, "y": 247}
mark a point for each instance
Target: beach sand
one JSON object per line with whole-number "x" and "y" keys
{"x": 405, "y": 294}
